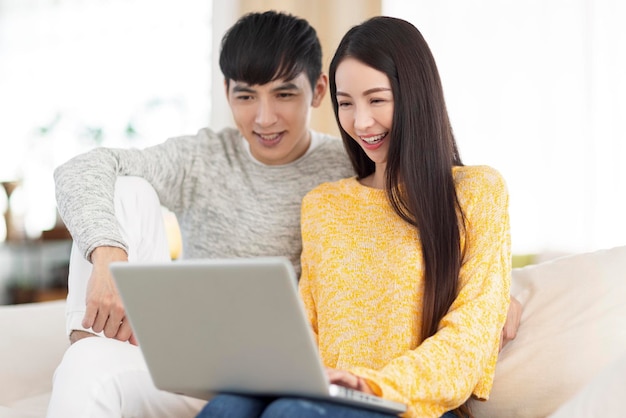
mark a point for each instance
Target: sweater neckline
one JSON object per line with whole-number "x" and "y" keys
{"x": 314, "y": 143}
{"x": 364, "y": 190}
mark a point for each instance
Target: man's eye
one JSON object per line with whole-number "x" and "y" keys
{"x": 285, "y": 95}
{"x": 244, "y": 97}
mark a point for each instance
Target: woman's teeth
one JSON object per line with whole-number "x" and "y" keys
{"x": 374, "y": 139}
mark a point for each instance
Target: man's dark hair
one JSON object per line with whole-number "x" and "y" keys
{"x": 263, "y": 47}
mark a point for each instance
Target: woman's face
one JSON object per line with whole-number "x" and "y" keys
{"x": 365, "y": 103}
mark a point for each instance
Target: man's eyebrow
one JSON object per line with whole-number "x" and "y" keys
{"x": 245, "y": 88}
{"x": 286, "y": 86}
{"x": 238, "y": 88}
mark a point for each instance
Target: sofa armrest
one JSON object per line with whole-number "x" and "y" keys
{"x": 32, "y": 343}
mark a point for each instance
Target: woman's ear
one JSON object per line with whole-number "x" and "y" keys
{"x": 319, "y": 90}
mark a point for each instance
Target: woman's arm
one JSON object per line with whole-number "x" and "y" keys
{"x": 444, "y": 370}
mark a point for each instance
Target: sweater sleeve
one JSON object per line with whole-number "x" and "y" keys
{"x": 85, "y": 187}
{"x": 445, "y": 369}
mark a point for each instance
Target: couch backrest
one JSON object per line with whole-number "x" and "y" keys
{"x": 573, "y": 324}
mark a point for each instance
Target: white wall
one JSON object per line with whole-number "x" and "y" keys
{"x": 224, "y": 15}
{"x": 537, "y": 89}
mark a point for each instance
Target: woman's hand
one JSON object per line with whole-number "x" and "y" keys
{"x": 349, "y": 380}
{"x": 513, "y": 317}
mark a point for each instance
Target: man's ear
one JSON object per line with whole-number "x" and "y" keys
{"x": 319, "y": 90}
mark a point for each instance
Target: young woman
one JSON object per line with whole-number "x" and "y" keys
{"x": 405, "y": 267}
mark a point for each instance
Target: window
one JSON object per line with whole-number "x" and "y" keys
{"x": 78, "y": 74}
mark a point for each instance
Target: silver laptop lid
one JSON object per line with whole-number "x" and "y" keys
{"x": 222, "y": 325}
{"x": 228, "y": 325}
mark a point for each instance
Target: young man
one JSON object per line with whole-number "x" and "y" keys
{"x": 235, "y": 193}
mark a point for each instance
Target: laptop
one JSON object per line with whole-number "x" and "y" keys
{"x": 229, "y": 325}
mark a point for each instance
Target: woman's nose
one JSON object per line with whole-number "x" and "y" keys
{"x": 362, "y": 119}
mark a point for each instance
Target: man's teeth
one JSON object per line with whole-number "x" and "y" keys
{"x": 374, "y": 139}
{"x": 269, "y": 137}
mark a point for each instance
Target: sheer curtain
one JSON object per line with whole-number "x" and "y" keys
{"x": 537, "y": 89}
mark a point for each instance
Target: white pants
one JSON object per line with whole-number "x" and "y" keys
{"x": 103, "y": 377}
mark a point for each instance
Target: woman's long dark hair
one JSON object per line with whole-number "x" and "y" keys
{"x": 422, "y": 151}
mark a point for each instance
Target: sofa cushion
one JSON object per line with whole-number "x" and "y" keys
{"x": 573, "y": 324}
{"x": 602, "y": 397}
{"x": 32, "y": 344}
{"x": 31, "y": 407}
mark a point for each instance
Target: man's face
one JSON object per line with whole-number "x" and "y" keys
{"x": 274, "y": 117}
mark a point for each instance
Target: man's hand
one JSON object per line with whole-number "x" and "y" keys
{"x": 105, "y": 311}
{"x": 349, "y": 380}
{"x": 513, "y": 317}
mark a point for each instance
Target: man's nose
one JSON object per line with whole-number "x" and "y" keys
{"x": 265, "y": 113}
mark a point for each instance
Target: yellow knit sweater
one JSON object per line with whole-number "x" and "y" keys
{"x": 362, "y": 287}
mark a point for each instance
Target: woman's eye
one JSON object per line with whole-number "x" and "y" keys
{"x": 344, "y": 104}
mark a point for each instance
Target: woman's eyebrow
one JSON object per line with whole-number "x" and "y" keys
{"x": 366, "y": 92}
{"x": 376, "y": 90}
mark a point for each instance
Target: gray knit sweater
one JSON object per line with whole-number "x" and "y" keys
{"x": 227, "y": 203}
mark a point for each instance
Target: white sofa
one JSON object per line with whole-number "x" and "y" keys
{"x": 32, "y": 343}
{"x": 573, "y": 325}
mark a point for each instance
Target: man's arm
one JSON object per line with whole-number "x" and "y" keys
{"x": 85, "y": 187}
{"x": 86, "y": 190}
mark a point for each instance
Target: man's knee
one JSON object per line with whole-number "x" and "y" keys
{"x": 135, "y": 189}
{"x": 140, "y": 216}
